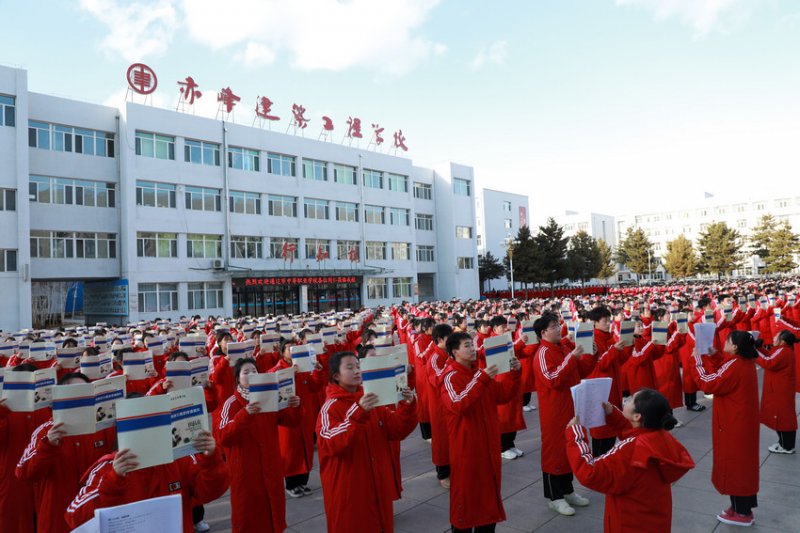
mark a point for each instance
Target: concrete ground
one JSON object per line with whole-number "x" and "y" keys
{"x": 424, "y": 506}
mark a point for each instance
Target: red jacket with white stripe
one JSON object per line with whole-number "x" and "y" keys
{"x": 355, "y": 461}
{"x": 197, "y": 478}
{"x": 437, "y": 364}
{"x": 635, "y": 475}
{"x": 57, "y": 471}
{"x": 777, "y": 396}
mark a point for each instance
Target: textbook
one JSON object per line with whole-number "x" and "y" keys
{"x": 69, "y": 357}
{"x": 329, "y": 335}
{"x": 704, "y": 336}
{"x": 200, "y": 371}
{"x": 188, "y": 416}
{"x": 527, "y": 329}
{"x": 682, "y": 319}
{"x": 29, "y": 391}
{"x": 272, "y": 390}
{"x": 384, "y": 334}
{"x": 270, "y": 342}
{"x": 96, "y": 366}
{"x": 157, "y": 345}
{"x": 7, "y": 349}
{"x": 588, "y": 397}
{"x": 499, "y": 350}
{"x": 193, "y": 345}
{"x": 303, "y": 358}
{"x": 385, "y": 377}
{"x": 155, "y": 514}
{"x": 659, "y": 330}
{"x": 41, "y": 351}
{"x": 314, "y": 340}
{"x": 727, "y": 312}
{"x": 179, "y": 373}
{"x": 240, "y": 350}
{"x": 87, "y": 408}
{"x": 708, "y": 315}
{"x": 626, "y": 328}
{"x": 137, "y": 365}
{"x": 584, "y": 336}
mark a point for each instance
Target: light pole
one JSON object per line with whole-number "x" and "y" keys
{"x": 510, "y": 242}
{"x": 649, "y": 269}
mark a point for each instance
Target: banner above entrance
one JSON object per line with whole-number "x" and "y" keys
{"x": 297, "y": 280}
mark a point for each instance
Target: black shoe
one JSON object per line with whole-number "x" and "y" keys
{"x": 296, "y": 492}
{"x": 697, "y": 408}
{"x": 306, "y": 489}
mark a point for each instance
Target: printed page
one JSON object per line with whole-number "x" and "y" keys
{"x": 144, "y": 426}
{"x": 107, "y": 392}
{"x": 200, "y": 371}
{"x": 240, "y": 350}
{"x": 499, "y": 351}
{"x": 264, "y": 391}
{"x": 584, "y": 336}
{"x": 156, "y": 514}
{"x": 73, "y": 406}
{"x": 179, "y": 373}
{"x": 189, "y": 417}
{"x": 588, "y": 397}
{"x": 303, "y": 358}
{"x": 286, "y": 386}
{"x": 69, "y": 358}
{"x": 379, "y": 376}
{"x": 704, "y": 336}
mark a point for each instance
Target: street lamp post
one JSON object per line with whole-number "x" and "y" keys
{"x": 510, "y": 242}
{"x": 649, "y": 269}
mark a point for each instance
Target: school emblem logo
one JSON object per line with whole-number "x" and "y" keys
{"x": 176, "y": 485}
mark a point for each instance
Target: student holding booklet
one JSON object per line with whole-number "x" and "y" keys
{"x": 250, "y": 438}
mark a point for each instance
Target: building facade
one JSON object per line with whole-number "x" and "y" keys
{"x": 499, "y": 217}
{"x": 161, "y": 214}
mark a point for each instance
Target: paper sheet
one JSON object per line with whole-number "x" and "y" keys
{"x": 499, "y": 351}
{"x": 704, "y": 336}
{"x": 588, "y": 397}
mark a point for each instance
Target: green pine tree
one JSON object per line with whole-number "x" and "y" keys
{"x": 635, "y": 251}
{"x": 720, "y": 249}
{"x": 583, "y": 257}
{"x": 782, "y": 246}
{"x": 681, "y": 260}
{"x": 607, "y": 263}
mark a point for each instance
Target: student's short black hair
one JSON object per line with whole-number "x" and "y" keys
{"x": 745, "y": 344}
{"x": 363, "y": 349}
{"x": 70, "y": 342}
{"x": 221, "y": 334}
{"x": 284, "y": 343}
{"x": 426, "y": 324}
{"x": 335, "y": 363}
{"x": 441, "y": 331}
{"x": 237, "y": 368}
{"x": 498, "y": 320}
{"x": 91, "y": 350}
{"x": 598, "y": 313}
{"x": 176, "y": 355}
{"x": 454, "y": 342}
{"x": 654, "y": 408}
{"x": 74, "y": 375}
{"x": 25, "y": 367}
{"x": 544, "y": 322}
{"x": 788, "y": 337}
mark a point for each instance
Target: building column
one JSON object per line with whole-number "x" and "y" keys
{"x": 304, "y": 298}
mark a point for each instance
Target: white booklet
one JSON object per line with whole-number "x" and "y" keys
{"x": 588, "y": 397}
{"x": 584, "y": 336}
{"x": 87, "y": 408}
{"x": 42, "y": 351}
{"x": 240, "y": 350}
{"x": 659, "y": 333}
{"x": 96, "y": 366}
{"x": 193, "y": 345}
{"x": 384, "y": 376}
{"x": 157, "y": 345}
{"x": 137, "y": 365}
{"x": 179, "y": 373}
{"x": 270, "y": 342}
{"x": 499, "y": 350}
{"x": 189, "y": 417}
{"x": 200, "y": 371}
{"x": 272, "y": 390}
{"x": 164, "y": 513}
{"x": 69, "y": 358}
{"x": 303, "y": 357}
{"x": 328, "y": 335}
{"x": 527, "y": 329}
{"x": 682, "y": 319}
{"x": 626, "y": 329}
{"x": 384, "y": 336}
{"x": 7, "y": 349}
{"x": 314, "y": 340}
{"x": 704, "y": 336}
{"x": 29, "y": 391}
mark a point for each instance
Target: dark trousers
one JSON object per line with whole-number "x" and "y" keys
{"x": 689, "y": 399}
{"x": 425, "y": 430}
{"x": 198, "y": 513}
{"x": 526, "y": 398}
{"x": 744, "y": 504}
{"x": 602, "y": 446}
{"x": 787, "y": 439}
{"x": 296, "y": 481}
{"x": 507, "y": 440}
{"x": 442, "y": 472}
{"x": 488, "y": 528}
{"x": 557, "y": 485}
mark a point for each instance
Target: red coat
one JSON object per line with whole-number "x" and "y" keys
{"x": 471, "y": 398}
{"x": 668, "y": 371}
{"x": 355, "y": 463}
{"x": 641, "y": 372}
{"x": 734, "y": 424}
{"x": 510, "y": 413}
{"x": 609, "y": 365}
{"x": 635, "y": 476}
{"x": 437, "y": 364}
{"x": 556, "y": 372}
{"x": 778, "y": 390}
{"x": 17, "y": 502}
{"x": 421, "y": 376}
{"x": 57, "y": 471}
{"x": 197, "y": 478}
{"x": 253, "y": 457}
{"x": 297, "y": 442}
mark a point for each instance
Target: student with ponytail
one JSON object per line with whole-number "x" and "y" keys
{"x": 636, "y": 475}
{"x": 777, "y": 397}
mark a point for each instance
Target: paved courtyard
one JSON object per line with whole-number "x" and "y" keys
{"x": 424, "y": 506}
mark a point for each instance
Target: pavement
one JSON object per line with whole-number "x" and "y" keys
{"x": 424, "y": 505}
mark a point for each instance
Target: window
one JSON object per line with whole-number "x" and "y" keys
{"x": 67, "y": 191}
{"x": 315, "y": 170}
{"x": 315, "y": 208}
{"x": 423, "y": 222}
{"x": 376, "y": 288}
{"x": 347, "y": 211}
{"x": 8, "y": 260}
{"x": 740, "y": 208}
{"x": 8, "y": 200}
{"x": 373, "y": 179}
{"x": 507, "y": 206}
{"x": 759, "y": 206}
{"x": 461, "y": 187}
{"x": 397, "y": 183}
{"x": 463, "y": 232}
{"x": 8, "y": 114}
{"x": 203, "y": 199}
{"x": 373, "y": 214}
{"x": 205, "y": 295}
{"x": 201, "y": 152}
{"x": 507, "y": 223}
{"x": 200, "y": 246}
{"x": 783, "y": 202}
{"x": 741, "y": 223}
{"x": 343, "y": 249}
{"x": 151, "y": 194}
{"x": 478, "y": 241}
{"x": 282, "y": 165}
{"x": 423, "y": 191}
{"x": 156, "y": 297}
{"x": 95, "y": 245}
{"x": 401, "y": 287}
{"x": 425, "y": 254}
{"x": 376, "y": 251}
{"x": 466, "y": 262}
{"x": 280, "y": 246}
{"x": 155, "y": 145}
{"x": 60, "y": 138}
{"x": 247, "y": 203}
{"x": 344, "y": 174}
{"x": 69, "y": 245}
{"x": 282, "y": 206}
{"x": 243, "y": 158}
{"x": 244, "y": 247}
{"x": 401, "y": 251}
{"x": 156, "y": 244}
{"x": 399, "y": 217}
{"x": 313, "y": 246}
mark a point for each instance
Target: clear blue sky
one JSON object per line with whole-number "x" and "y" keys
{"x": 610, "y": 105}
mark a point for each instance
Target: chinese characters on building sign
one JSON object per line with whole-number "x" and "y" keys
{"x": 299, "y": 280}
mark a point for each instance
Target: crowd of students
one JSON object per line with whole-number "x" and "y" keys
{"x": 467, "y": 409}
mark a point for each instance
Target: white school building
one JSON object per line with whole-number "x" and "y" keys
{"x": 161, "y": 213}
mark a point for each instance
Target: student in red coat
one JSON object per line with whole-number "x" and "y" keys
{"x": 421, "y": 348}
{"x": 55, "y": 462}
{"x": 354, "y": 453}
{"x": 556, "y": 371}
{"x": 636, "y": 475}
{"x": 250, "y": 440}
{"x": 471, "y": 395}
{"x": 641, "y": 368}
{"x": 734, "y": 425}
{"x": 777, "y": 397}
{"x": 437, "y": 364}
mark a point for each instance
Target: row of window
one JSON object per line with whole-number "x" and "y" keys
{"x": 68, "y": 191}
{"x": 8, "y": 200}
{"x": 70, "y": 244}
{"x": 8, "y": 260}
{"x": 60, "y": 138}
{"x": 159, "y": 297}
{"x": 377, "y": 288}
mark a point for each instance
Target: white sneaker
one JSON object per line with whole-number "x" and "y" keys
{"x": 529, "y": 408}
{"x": 576, "y": 499}
{"x": 708, "y": 396}
{"x": 679, "y": 424}
{"x": 561, "y": 507}
{"x": 508, "y": 454}
{"x": 777, "y": 448}
{"x": 202, "y": 526}
{"x": 517, "y": 451}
